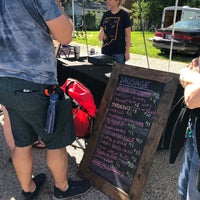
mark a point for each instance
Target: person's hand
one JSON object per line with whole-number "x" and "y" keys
{"x": 102, "y": 35}
{"x": 58, "y": 2}
{"x": 191, "y": 73}
{"x": 195, "y": 65}
{"x": 188, "y": 76}
{"x": 127, "y": 55}
{"x": 192, "y": 95}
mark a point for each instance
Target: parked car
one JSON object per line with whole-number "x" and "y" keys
{"x": 186, "y": 37}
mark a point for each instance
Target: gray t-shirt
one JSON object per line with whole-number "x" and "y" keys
{"x": 26, "y": 47}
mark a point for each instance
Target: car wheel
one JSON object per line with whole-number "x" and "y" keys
{"x": 164, "y": 51}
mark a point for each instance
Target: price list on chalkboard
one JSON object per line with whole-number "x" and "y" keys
{"x": 125, "y": 130}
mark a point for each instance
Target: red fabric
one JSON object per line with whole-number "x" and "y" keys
{"x": 87, "y": 108}
{"x": 82, "y": 95}
{"x": 81, "y": 122}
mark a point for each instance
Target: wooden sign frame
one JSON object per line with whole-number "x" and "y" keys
{"x": 170, "y": 83}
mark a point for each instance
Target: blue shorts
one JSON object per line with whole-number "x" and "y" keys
{"x": 27, "y": 112}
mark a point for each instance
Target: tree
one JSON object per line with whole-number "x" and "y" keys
{"x": 152, "y": 9}
{"x": 90, "y": 20}
{"x": 127, "y": 4}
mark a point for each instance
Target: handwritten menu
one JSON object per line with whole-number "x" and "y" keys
{"x": 125, "y": 129}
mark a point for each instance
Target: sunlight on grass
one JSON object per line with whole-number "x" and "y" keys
{"x": 137, "y": 44}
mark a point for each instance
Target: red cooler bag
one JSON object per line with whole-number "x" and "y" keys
{"x": 84, "y": 108}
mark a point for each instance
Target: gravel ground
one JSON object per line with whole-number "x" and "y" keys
{"x": 161, "y": 183}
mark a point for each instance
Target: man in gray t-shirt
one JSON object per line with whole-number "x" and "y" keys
{"x": 27, "y": 69}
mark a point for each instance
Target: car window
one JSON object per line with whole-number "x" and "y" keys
{"x": 187, "y": 24}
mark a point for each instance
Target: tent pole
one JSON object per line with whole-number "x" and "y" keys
{"x": 140, "y": 12}
{"x": 73, "y": 18}
{"x": 172, "y": 36}
{"x": 84, "y": 27}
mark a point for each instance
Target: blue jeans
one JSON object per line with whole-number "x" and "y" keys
{"x": 188, "y": 175}
{"x": 119, "y": 58}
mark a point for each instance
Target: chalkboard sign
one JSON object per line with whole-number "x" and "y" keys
{"x": 127, "y": 130}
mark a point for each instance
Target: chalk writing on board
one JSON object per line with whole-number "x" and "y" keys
{"x": 125, "y": 130}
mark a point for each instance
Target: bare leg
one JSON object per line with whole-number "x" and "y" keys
{"x": 57, "y": 161}
{"x": 23, "y": 163}
{"x": 8, "y": 131}
{"x": 8, "y": 135}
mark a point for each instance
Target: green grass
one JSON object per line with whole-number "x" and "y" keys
{"x": 137, "y": 45}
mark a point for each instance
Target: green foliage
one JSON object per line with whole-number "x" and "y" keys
{"x": 152, "y": 10}
{"x": 140, "y": 16}
{"x": 165, "y": 3}
{"x": 90, "y": 21}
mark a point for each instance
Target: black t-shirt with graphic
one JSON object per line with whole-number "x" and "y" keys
{"x": 114, "y": 27}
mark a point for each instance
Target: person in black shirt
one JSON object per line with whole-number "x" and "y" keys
{"x": 115, "y": 32}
